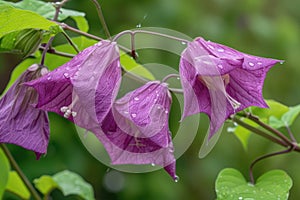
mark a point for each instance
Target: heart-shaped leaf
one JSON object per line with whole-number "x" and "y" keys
{"x": 231, "y": 184}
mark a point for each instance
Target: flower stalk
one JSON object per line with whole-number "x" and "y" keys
{"x": 20, "y": 172}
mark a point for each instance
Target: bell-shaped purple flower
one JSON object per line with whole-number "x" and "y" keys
{"x": 83, "y": 89}
{"x": 220, "y": 81}
{"x": 136, "y": 130}
{"x": 20, "y": 122}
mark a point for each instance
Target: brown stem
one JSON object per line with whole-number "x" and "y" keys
{"x": 20, "y": 173}
{"x": 290, "y": 149}
{"x": 267, "y": 127}
{"x": 260, "y": 132}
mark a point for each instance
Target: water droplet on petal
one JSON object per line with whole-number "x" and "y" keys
{"x": 133, "y": 115}
{"x": 136, "y": 98}
{"x": 166, "y": 111}
{"x": 251, "y": 64}
{"x": 210, "y": 46}
{"x": 259, "y": 63}
{"x": 66, "y": 75}
{"x": 49, "y": 78}
{"x": 176, "y": 179}
{"x": 220, "y": 50}
{"x": 220, "y": 66}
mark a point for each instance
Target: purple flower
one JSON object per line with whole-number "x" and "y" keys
{"x": 82, "y": 90}
{"x": 20, "y": 122}
{"x": 136, "y": 130}
{"x": 220, "y": 81}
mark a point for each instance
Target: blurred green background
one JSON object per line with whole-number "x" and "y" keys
{"x": 269, "y": 28}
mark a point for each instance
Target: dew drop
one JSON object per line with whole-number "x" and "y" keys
{"x": 125, "y": 112}
{"x": 66, "y": 75}
{"x": 153, "y": 164}
{"x": 49, "y": 78}
{"x": 178, "y": 78}
{"x": 221, "y": 50}
{"x": 251, "y": 64}
{"x": 240, "y": 198}
{"x": 166, "y": 112}
{"x": 176, "y": 179}
{"x": 133, "y": 115}
{"x": 139, "y": 26}
{"x": 220, "y": 66}
{"x": 210, "y": 46}
{"x": 184, "y": 43}
{"x": 259, "y": 63}
{"x": 136, "y": 98}
{"x": 281, "y": 62}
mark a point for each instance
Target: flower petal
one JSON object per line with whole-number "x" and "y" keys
{"x": 136, "y": 131}
{"x": 82, "y": 90}
{"x": 20, "y": 122}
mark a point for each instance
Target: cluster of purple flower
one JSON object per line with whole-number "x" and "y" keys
{"x": 216, "y": 80}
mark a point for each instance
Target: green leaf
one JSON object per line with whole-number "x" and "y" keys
{"x": 131, "y": 65}
{"x": 286, "y": 119}
{"x": 273, "y": 185}
{"x": 12, "y": 19}
{"x": 4, "y": 172}
{"x": 71, "y": 183}
{"x": 81, "y": 23}
{"x": 244, "y": 134}
{"x": 45, "y": 184}
{"x": 17, "y": 186}
{"x": 276, "y": 123}
{"x": 44, "y": 9}
{"x": 23, "y": 42}
{"x": 275, "y": 109}
{"x": 289, "y": 117}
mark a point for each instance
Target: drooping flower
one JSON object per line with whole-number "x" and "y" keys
{"x": 219, "y": 81}
{"x": 83, "y": 89}
{"x": 20, "y": 122}
{"x": 136, "y": 130}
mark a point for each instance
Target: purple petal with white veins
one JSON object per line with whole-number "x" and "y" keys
{"x": 136, "y": 131}
{"x": 82, "y": 90}
{"x": 20, "y": 122}
{"x": 221, "y": 81}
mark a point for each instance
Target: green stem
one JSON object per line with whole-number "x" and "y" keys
{"x": 70, "y": 28}
{"x": 71, "y": 42}
{"x": 264, "y": 157}
{"x": 101, "y": 17}
{"x": 19, "y": 171}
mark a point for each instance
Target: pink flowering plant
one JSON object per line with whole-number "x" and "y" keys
{"x": 132, "y": 127}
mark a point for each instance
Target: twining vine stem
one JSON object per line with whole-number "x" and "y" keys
{"x": 20, "y": 173}
{"x": 280, "y": 138}
{"x": 101, "y": 17}
{"x": 264, "y": 157}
